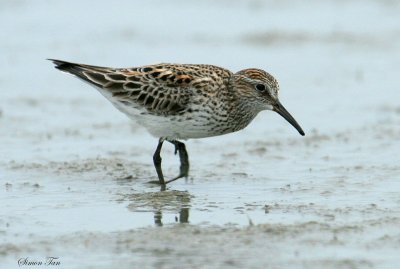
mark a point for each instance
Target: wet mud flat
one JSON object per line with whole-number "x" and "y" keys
{"x": 312, "y": 245}
{"x": 74, "y": 172}
{"x": 329, "y": 213}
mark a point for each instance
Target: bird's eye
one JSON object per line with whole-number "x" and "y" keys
{"x": 260, "y": 87}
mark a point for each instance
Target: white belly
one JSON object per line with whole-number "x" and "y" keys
{"x": 169, "y": 127}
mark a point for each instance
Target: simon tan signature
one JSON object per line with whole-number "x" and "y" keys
{"x": 48, "y": 261}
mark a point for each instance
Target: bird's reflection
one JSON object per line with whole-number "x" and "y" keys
{"x": 183, "y": 216}
{"x": 158, "y": 218}
{"x": 162, "y": 204}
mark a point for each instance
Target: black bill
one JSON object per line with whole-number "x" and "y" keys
{"x": 281, "y": 110}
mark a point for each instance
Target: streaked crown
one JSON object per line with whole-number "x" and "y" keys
{"x": 258, "y": 86}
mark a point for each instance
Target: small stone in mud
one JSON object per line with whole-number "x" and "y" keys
{"x": 240, "y": 175}
{"x": 266, "y": 209}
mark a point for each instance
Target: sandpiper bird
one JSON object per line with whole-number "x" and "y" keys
{"x": 182, "y": 101}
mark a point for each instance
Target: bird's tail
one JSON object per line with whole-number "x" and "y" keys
{"x": 89, "y": 73}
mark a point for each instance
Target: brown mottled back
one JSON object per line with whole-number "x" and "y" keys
{"x": 160, "y": 88}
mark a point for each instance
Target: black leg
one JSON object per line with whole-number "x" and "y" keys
{"x": 184, "y": 159}
{"x": 157, "y": 162}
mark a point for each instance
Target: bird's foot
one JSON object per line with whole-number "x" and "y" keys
{"x": 181, "y": 175}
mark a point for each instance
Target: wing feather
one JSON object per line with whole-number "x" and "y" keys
{"x": 160, "y": 89}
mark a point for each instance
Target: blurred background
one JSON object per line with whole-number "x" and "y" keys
{"x": 336, "y": 60}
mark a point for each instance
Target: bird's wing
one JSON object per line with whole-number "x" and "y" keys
{"x": 160, "y": 89}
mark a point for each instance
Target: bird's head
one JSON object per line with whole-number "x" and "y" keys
{"x": 261, "y": 90}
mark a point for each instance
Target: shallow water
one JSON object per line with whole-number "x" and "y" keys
{"x": 74, "y": 172}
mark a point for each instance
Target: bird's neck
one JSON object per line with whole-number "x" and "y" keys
{"x": 242, "y": 114}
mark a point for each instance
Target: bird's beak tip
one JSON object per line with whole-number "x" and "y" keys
{"x": 280, "y": 109}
